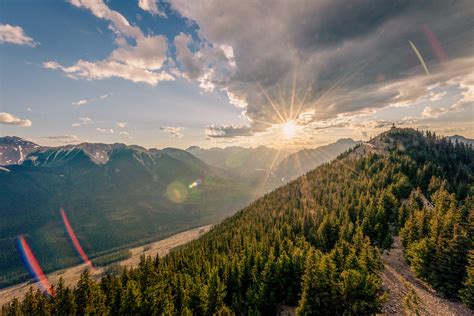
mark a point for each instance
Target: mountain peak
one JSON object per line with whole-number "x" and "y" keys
{"x": 13, "y": 150}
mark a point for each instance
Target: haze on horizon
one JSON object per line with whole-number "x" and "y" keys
{"x": 175, "y": 73}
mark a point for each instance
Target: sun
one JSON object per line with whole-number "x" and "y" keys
{"x": 288, "y": 129}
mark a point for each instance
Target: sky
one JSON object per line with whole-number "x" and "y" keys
{"x": 176, "y": 73}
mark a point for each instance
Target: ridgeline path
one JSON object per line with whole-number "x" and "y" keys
{"x": 408, "y": 295}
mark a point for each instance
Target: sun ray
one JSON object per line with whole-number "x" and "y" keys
{"x": 330, "y": 157}
{"x": 262, "y": 187}
{"x": 263, "y": 122}
{"x": 305, "y": 184}
{"x": 297, "y": 113}
{"x": 282, "y": 102}
{"x": 271, "y": 103}
{"x": 293, "y": 92}
{"x": 339, "y": 83}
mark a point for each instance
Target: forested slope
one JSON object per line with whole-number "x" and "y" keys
{"x": 313, "y": 244}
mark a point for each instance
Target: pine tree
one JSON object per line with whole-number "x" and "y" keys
{"x": 467, "y": 292}
{"x": 63, "y": 302}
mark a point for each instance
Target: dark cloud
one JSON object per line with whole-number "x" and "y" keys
{"x": 346, "y": 56}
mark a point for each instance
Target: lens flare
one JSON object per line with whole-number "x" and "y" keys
{"x": 195, "y": 183}
{"x": 74, "y": 240}
{"x": 435, "y": 45}
{"x": 33, "y": 266}
{"x": 177, "y": 192}
{"x": 417, "y": 52}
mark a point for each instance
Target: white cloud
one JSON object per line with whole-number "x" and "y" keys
{"x": 149, "y": 53}
{"x": 102, "y": 11}
{"x": 86, "y": 101}
{"x": 109, "y": 69}
{"x": 141, "y": 62}
{"x": 7, "y": 118}
{"x": 151, "y": 6}
{"x": 228, "y": 131}
{"x": 83, "y": 121}
{"x": 126, "y": 134}
{"x": 121, "y": 124}
{"x": 173, "y": 131}
{"x": 105, "y": 130}
{"x": 237, "y": 100}
{"x": 15, "y": 35}
{"x": 62, "y": 139}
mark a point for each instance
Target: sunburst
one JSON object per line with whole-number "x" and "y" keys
{"x": 289, "y": 129}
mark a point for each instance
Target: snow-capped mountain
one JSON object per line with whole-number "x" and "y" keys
{"x": 13, "y": 150}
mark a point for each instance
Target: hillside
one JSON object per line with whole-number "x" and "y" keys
{"x": 115, "y": 196}
{"x": 313, "y": 245}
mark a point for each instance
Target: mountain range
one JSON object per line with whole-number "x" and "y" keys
{"x": 314, "y": 245}
{"x": 114, "y": 195}
{"x": 117, "y": 196}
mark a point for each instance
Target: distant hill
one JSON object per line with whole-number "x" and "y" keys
{"x": 256, "y": 162}
{"x": 13, "y": 150}
{"x": 249, "y": 161}
{"x": 305, "y": 160}
{"x": 461, "y": 139}
{"x": 115, "y": 196}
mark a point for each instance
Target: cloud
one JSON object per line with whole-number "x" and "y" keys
{"x": 173, "y": 131}
{"x": 15, "y": 35}
{"x": 63, "y": 139}
{"x": 141, "y": 61}
{"x": 83, "y": 121}
{"x": 121, "y": 124}
{"x": 7, "y": 118}
{"x": 151, "y": 6}
{"x": 86, "y": 101}
{"x": 109, "y": 69}
{"x": 340, "y": 57}
{"x": 119, "y": 23}
{"x": 105, "y": 130}
{"x": 228, "y": 131}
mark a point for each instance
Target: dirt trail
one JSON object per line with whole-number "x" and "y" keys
{"x": 71, "y": 275}
{"x": 408, "y": 294}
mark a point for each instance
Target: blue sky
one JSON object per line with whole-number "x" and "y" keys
{"x": 66, "y": 34}
{"x": 211, "y": 73}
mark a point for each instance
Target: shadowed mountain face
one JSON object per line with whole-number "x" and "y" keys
{"x": 114, "y": 195}
{"x": 13, "y": 150}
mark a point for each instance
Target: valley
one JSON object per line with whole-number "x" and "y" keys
{"x": 118, "y": 195}
{"x": 71, "y": 275}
